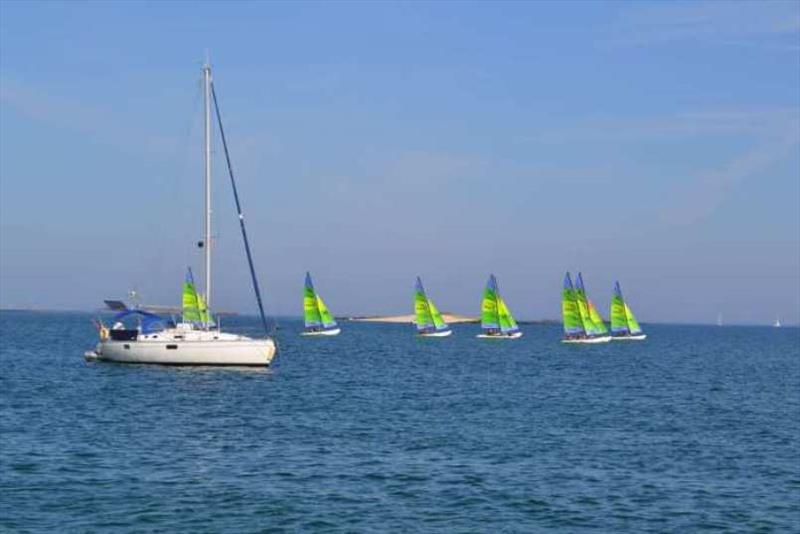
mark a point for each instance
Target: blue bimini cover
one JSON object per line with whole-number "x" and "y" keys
{"x": 150, "y": 322}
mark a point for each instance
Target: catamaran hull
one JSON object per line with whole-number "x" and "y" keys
{"x": 333, "y": 332}
{"x": 515, "y": 335}
{"x": 251, "y": 353}
{"x": 444, "y": 333}
{"x": 588, "y": 340}
{"x": 631, "y": 338}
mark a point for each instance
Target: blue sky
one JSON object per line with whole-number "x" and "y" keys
{"x": 654, "y": 143}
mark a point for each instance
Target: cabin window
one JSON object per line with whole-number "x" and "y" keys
{"x": 126, "y": 346}
{"x": 172, "y": 347}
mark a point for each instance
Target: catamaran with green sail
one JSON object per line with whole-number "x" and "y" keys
{"x": 317, "y": 317}
{"x": 623, "y": 323}
{"x": 496, "y": 319}
{"x": 428, "y": 318}
{"x": 194, "y": 309}
{"x": 582, "y": 322}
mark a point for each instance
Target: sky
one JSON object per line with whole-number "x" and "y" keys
{"x": 654, "y": 143}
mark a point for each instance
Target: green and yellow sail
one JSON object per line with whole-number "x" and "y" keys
{"x": 495, "y": 315}
{"x": 315, "y": 313}
{"x": 623, "y": 322}
{"x": 428, "y": 318}
{"x": 597, "y": 320}
{"x": 633, "y": 324}
{"x": 590, "y": 326}
{"x": 573, "y": 325}
{"x": 194, "y": 308}
{"x": 619, "y": 321}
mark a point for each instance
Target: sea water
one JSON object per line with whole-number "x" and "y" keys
{"x": 378, "y": 430}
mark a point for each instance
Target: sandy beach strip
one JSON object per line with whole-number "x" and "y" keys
{"x": 449, "y": 318}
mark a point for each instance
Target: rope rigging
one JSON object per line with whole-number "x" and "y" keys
{"x": 253, "y": 277}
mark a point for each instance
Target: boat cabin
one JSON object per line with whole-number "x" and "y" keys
{"x": 146, "y": 324}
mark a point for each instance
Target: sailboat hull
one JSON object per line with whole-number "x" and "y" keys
{"x": 515, "y": 335}
{"x": 588, "y": 340}
{"x": 332, "y": 332}
{"x": 443, "y": 333}
{"x": 240, "y": 352}
{"x": 637, "y": 337}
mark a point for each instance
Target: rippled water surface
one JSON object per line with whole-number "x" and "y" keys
{"x": 376, "y": 430}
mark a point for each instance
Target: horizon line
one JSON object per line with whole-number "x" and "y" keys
{"x": 347, "y": 318}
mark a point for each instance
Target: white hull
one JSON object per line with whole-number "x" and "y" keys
{"x": 236, "y": 351}
{"x": 444, "y": 333}
{"x": 637, "y": 337}
{"x": 588, "y": 340}
{"x": 515, "y": 335}
{"x": 333, "y": 332}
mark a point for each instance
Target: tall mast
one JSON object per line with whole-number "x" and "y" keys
{"x": 207, "y": 161}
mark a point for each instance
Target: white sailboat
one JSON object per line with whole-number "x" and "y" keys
{"x": 196, "y": 340}
{"x": 777, "y": 322}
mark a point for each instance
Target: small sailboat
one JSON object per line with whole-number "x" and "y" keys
{"x": 496, "y": 319}
{"x": 139, "y": 336}
{"x": 777, "y": 322}
{"x": 428, "y": 318}
{"x": 195, "y": 310}
{"x": 623, "y": 323}
{"x": 318, "y": 319}
{"x": 576, "y": 310}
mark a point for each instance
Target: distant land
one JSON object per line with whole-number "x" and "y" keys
{"x": 400, "y": 319}
{"x": 450, "y": 318}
